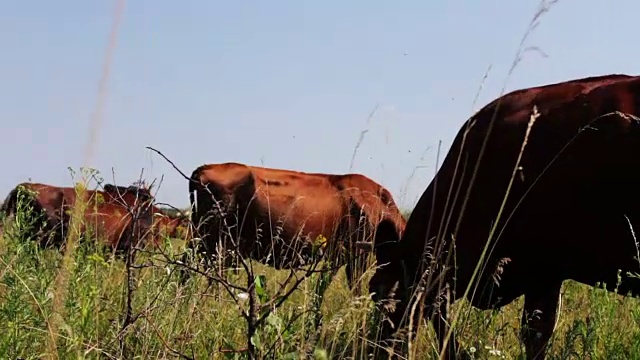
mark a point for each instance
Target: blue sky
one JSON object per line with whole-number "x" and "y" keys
{"x": 286, "y": 84}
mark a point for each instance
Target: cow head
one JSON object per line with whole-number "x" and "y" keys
{"x": 380, "y": 214}
{"x": 388, "y": 225}
{"x": 388, "y": 285}
{"x": 131, "y": 195}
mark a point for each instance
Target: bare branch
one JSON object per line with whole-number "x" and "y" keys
{"x": 170, "y": 162}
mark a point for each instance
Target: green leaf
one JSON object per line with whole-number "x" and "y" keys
{"x": 255, "y": 340}
{"x": 261, "y": 285}
{"x": 320, "y": 354}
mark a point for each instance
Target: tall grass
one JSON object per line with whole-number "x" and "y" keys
{"x": 189, "y": 322}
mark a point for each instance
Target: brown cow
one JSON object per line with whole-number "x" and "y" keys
{"x": 169, "y": 226}
{"x": 111, "y": 222}
{"x": 569, "y": 206}
{"x": 282, "y": 213}
{"x": 111, "y": 209}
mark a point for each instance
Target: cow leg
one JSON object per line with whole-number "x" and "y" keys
{"x": 411, "y": 322}
{"x": 441, "y": 328}
{"x": 539, "y": 317}
{"x": 349, "y": 270}
{"x": 354, "y": 269}
{"x": 194, "y": 248}
{"x": 201, "y": 252}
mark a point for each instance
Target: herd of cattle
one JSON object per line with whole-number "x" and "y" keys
{"x": 539, "y": 186}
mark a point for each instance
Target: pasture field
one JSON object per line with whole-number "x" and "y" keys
{"x": 85, "y": 318}
{"x": 86, "y": 304}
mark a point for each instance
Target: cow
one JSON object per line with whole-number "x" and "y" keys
{"x": 172, "y": 226}
{"x": 539, "y": 186}
{"x": 284, "y": 215}
{"x": 109, "y": 212}
{"x": 163, "y": 224}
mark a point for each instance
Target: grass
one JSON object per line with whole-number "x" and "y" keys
{"x": 191, "y": 321}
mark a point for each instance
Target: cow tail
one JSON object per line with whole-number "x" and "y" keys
{"x": 194, "y": 183}
{"x": 9, "y": 205}
{"x": 194, "y": 186}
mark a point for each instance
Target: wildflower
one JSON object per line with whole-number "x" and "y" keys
{"x": 321, "y": 241}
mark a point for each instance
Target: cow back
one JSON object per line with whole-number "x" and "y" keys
{"x": 109, "y": 212}
{"x": 565, "y": 162}
{"x": 299, "y": 202}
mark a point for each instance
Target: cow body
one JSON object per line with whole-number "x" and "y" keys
{"x": 276, "y": 216}
{"x": 109, "y": 213}
{"x": 564, "y": 213}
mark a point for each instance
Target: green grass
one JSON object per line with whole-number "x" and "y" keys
{"x": 192, "y": 321}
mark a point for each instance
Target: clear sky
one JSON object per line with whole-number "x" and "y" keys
{"x": 286, "y": 84}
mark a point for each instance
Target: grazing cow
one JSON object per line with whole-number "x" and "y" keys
{"x": 554, "y": 197}
{"x": 282, "y": 213}
{"x": 169, "y": 226}
{"x": 109, "y": 212}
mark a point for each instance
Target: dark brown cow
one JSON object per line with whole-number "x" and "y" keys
{"x": 573, "y": 198}
{"x": 292, "y": 209}
{"x": 109, "y": 212}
